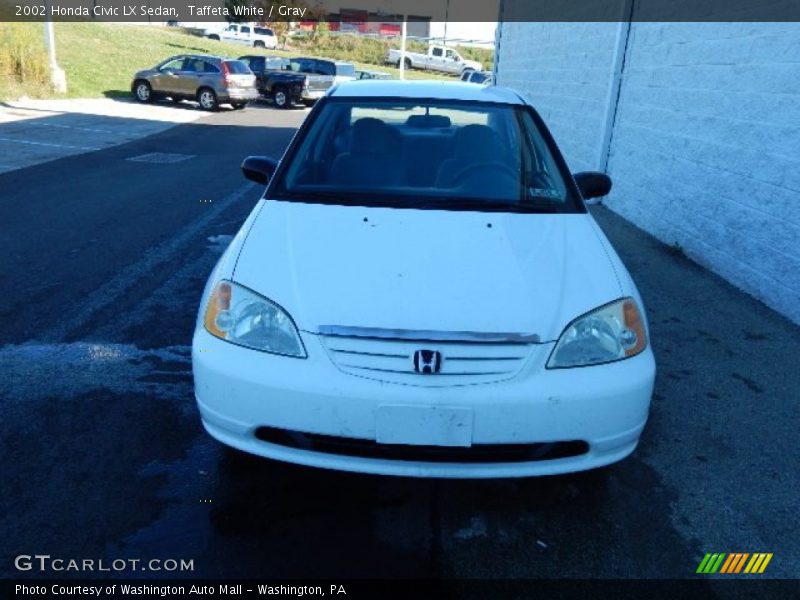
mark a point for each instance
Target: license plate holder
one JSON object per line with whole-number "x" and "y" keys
{"x": 424, "y": 425}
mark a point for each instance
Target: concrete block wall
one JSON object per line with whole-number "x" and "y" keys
{"x": 705, "y": 144}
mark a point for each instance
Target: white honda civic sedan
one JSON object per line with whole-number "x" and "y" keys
{"x": 422, "y": 292}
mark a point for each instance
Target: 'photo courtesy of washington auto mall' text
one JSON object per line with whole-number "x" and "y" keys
{"x": 379, "y": 299}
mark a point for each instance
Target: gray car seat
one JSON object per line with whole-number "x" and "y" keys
{"x": 375, "y": 151}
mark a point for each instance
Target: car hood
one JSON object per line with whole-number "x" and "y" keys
{"x": 145, "y": 73}
{"x": 427, "y": 270}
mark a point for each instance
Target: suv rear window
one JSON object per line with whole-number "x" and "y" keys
{"x": 237, "y": 67}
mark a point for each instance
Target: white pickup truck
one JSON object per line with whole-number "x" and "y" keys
{"x": 249, "y": 34}
{"x": 438, "y": 58}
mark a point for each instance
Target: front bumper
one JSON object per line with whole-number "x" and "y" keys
{"x": 240, "y": 392}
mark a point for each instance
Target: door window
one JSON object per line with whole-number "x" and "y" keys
{"x": 173, "y": 65}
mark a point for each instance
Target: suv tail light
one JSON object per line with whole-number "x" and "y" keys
{"x": 225, "y": 72}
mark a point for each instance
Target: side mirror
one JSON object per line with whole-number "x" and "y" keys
{"x": 593, "y": 184}
{"x": 259, "y": 168}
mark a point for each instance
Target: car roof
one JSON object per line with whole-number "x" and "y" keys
{"x": 439, "y": 90}
{"x": 201, "y": 56}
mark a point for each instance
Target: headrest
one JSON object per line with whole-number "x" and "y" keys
{"x": 477, "y": 142}
{"x": 373, "y": 136}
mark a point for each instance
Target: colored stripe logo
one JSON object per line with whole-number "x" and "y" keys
{"x": 733, "y": 563}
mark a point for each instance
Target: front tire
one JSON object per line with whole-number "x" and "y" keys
{"x": 239, "y": 105}
{"x": 143, "y": 91}
{"x": 207, "y": 99}
{"x": 408, "y": 64}
{"x": 214, "y": 37}
{"x": 280, "y": 97}
{"x": 258, "y": 44}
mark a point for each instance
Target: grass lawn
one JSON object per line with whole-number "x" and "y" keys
{"x": 100, "y": 58}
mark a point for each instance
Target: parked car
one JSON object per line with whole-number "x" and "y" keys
{"x": 466, "y": 73}
{"x": 481, "y": 77}
{"x": 264, "y": 66}
{"x": 422, "y": 292}
{"x": 248, "y": 34}
{"x": 438, "y": 58}
{"x": 297, "y": 80}
{"x": 373, "y": 75}
{"x": 210, "y": 80}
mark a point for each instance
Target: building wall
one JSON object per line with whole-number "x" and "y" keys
{"x": 704, "y": 142}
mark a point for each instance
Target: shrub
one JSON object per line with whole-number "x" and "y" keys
{"x": 23, "y": 61}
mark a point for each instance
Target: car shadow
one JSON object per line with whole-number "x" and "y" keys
{"x": 185, "y": 47}
{"x": 127, "y": 97}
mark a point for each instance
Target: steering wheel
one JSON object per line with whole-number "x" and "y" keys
{"x": 495, "y": 169}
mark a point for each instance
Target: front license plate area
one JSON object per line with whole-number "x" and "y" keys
{"x": 424, "y": 425}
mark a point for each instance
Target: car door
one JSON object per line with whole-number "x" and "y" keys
{"x": 166, "y": 80}
{"x": 436, "y": 59}
{"x": 190, "y": 74}
{"x": 208, "y": 74}
{"x": 245, "y": 35}
{"x": 230, "y": 34}
{"x": 452, "y": 62}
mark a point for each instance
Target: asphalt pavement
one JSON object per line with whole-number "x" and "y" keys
{"x": 104, "y": 256}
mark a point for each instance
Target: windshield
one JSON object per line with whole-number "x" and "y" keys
{"x": 425, "y": 154}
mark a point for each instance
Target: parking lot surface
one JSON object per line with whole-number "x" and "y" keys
{"x": 37, "y": 131}
{"x": 103, "y": 453}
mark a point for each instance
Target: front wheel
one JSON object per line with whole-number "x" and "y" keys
{"x": 280, "y": 98}
{"x": 207, "y": 99}
{"x": 214, "y": 37}
{"x": 143, "y": 91}
{"x": 239, "y": 105}
{"x": 258, "y": 44}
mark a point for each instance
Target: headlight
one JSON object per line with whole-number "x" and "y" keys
{"x": 609, "y": 333}
{"x": 240, "y": 316}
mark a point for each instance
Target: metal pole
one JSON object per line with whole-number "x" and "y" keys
{"x": 58, "y": 78}
{"x": 446, "y": 19}
{"x": 403, "y": 33}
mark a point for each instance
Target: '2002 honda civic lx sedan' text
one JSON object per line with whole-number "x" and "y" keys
{"x": 421, "y": 291}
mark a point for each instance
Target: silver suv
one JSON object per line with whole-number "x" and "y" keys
{"x": 210, "y": 80}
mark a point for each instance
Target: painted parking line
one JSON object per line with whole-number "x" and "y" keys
{"x": 48, "y": 144}
{"x": 73, "y": 127}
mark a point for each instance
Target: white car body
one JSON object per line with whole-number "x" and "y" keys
{"x": 438, "y": 58}
{"x": 248, "y": 34}
{"x": 369, "y": 287}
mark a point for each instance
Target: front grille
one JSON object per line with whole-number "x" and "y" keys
{"x": 478, "y": 453}
{"x": 391, "y": 360}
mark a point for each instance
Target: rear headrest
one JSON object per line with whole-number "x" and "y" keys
{"x": 373, "y": 136}
{"x": 428, "y": 121}
{"x": 477, "y": 142}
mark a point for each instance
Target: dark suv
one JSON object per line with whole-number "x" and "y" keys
{"x": 296, "y": 80}
{"x": 210, "y": 80}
